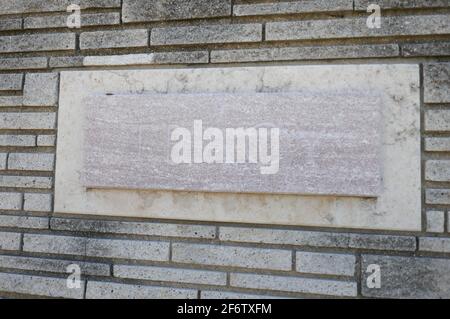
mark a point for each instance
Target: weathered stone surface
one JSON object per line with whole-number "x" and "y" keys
{"x": 27, "y": 6}
{"x": 231, "y": 33}
{"x": 435, "y": 221}
{"x": 10, "y": 201}
{"x": 292, "y": 7}
{"x": 437, "y": 83}
{"x": 41, "y": 89}
{"x": 24, "y": 222}
{"x": 396, "y": 4}
{"x": 437, "y": 144}
{"x": 328, "y": 264}
{"x": 10, "y": 24}
{"x": 438, "y": 196}
{"x": 11, "y": 82}
{"x": 157, "y": 10}
{"x": 10, "y": 101}
{"x": 317, "y": 239}
{"x": 109, "y": 290}
{"x": 434, "y": 244}
{"x": 437, "y": 170}
{"x": 38, "y": 202}
{"x": 171, "y": 275}
{"x": 294, "y": 284}
{"x": 357, "y": 27}
{"x": 53, "y": 265}
{"x": 333, "y": 148}
{"x": 9, "y": 241}
{"x": 46, "y": 140}
{"x": 66, "y": 61}
{"x": 3, "y": 158}
{"x": 147, "y": 229}
{"x": 114, "y": 39}
{"x": 31, "y": 161}
{"x": 191, "y": 57}
{"x": 27, "y": 121}
{"x": 60, "y": 21}
{"x": 37, "y": 42}
{"x": 408, "y": 277}
{"x": 437, "y": 120}
{"x": 108, "y": 248}
{"x": 426, "y": 49}
{"x": 39, "y": 286}
{"x": 232, "y": 256}
{"x": 26, "y": 182}
{"x": 23, "y": 63}
{"x": 17, "y": 140}
{"x": 397, "y": 208}
{"x": 209, "y": 294}
{"x": 305, "y": 53}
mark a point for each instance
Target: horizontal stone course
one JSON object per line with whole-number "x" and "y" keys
{"x": 440, "y": 48}
{"x": 11, "y": 181}
{"x": 28, "y": 121}
{"x": 437, "y": 144}
{"x": 435, "y": 221}
{"x": 232, "y": 256}
{"x": 437, "y": 82}
{"x": 31, "y": 161}
{"x": 317, "y": 239}
{"x": 10, "y": 24}
{"x": 231, "y": 33}
{"x": 211, "y": 294}
{"x": 66, "y": 61}
{"x": 10, "y": 101}
{"x": 323, "y": 263}
{"x": 60, "y": 21}
{"x": 294, "y": 284}
{"x": 23, "y": 63}
{"x": 437, "y": 196}
{"x": 437, "y": 120}
{"x": 27, "y": 6}
{"x": 134, "y": 228}
{"x": 434, "y": 244}
{"x": 437, "y": 170}
{"x": 37, "y": 42}
{"x": 400, "y": 4}
{"x": 157, "y": 10}
{"x": 41, "y": 89}
{"x": 9, "y": 241}
{"x": 110, "y": 290}
{"x": 305, "y": 53}
{"x": 10, "y": 201}
{"x": 24, "y": 222}
{"x": 53, "y": 265}
{"x": 11, "y": 82}
{"x": 46, "y": 140}
{"x": 171, "y": 275}
{"x": 38, "y": 202}
{"x": 114, "y": 39}
{"x": 95, "y": 247}
{"x": 39, "y": 286}
{"x": 357, "y": 28}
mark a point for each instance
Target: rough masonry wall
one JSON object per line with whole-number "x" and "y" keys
{"x": 155, "y": 258}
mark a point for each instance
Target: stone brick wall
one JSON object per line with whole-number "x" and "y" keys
{"x": 178, "y": 259}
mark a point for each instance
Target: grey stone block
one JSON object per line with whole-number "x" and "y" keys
{"x": 328, "y": 264}
{"x": 408, "y": 277}
{"x": 317, "y": 239}
{"x": 437, "y": 82}
{"x": 53, "y": 265}
{"x": 37, "y": 42}
{"x": 157, "y": 10}
{"x": 46, "y": 140}
{"x": 211, "y": 294}
{"x": 26, "y": 182}
{"x": 3, "y": 158}
{"x": 114, "y": 39}
{"x": 437, "y": 196}
{"x": 18, "y": 140}
{"x": 11, "y": 82}
{"x": 10, "y": 24}
{"x": 41, "y": 89}
{"x": 305, "y": 53}
{"x": 357, "y": 27}
{"x": 10, "y": 201}
{"x": 435, "y": 221}
{"x": 28, "y": 121}
{"x": 434, "y": 244}
{"x": 437, "y": 120}
{"x": 437, "y": 144}
{"x": 426, "y": 49}
{"x": 66, "y": 61}
{"x": 10, "y": 101}
{"x": 294, "y": 284}
{"x": 9, "y": 241}
{"x": 24, "y": 222}
{"x": 232, "y": 256}
{"x": 132, "y": 228}
{"x": 401, "y": 4}
{"x": 437, "y": 170}
{"x": 60, "y": 21}
{"x": 171, "y": 275}
{"x": 231, "y": 33}
{"x": 93, "y": 247}
{"x": 109, "y": 290}
{"x": 38, "y": 202}
{"x": 39, "y": 286}
{"x": 32, "y": 6}
{"x": 31, "y": 161}
{"x": 292, "y": 7}
{"x": 23, "y": 63}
